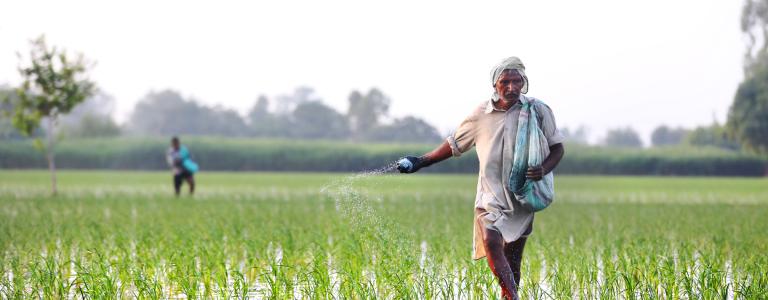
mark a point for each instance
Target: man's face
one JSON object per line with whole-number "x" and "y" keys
{"x": 175, "y": 144}
{"x": 509, "y": 85}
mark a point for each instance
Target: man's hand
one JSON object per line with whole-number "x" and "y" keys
{"x": 410, "y": 164}
{"x": 535, "y": 173}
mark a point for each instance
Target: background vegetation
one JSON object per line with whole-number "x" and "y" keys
{"x": 335, "y": 156}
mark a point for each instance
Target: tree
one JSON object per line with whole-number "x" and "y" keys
{"x": 623, "y": 137}
{"x": 408, "y": 129}
{"x": 265, "y": 124}
{"x": 52, "y": 85}
{"x": 259, "y": 111}
{"x": 365, "y": 111}
{"x": 222, "y": 121}
{"x": 91, "y": 126}
{"x": 748, "y": 115}
{"x": 165, "y": 113}
{"x": 665, "y": 136}
{"x": 287, "y": 103}
{"x": 168, "y": 113}
{"x": 315, "y": 120}
{"x": 713, "y": 135}
{"x": 92, "y": 118}
{"x": 579, "y": 136}
{"x": 754, "y": 25}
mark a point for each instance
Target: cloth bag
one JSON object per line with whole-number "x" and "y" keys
{"x": 186, "y": 161}
{"x": 531, "y": 148}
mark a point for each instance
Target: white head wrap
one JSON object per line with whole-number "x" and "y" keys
{"x": 510, "y": 63}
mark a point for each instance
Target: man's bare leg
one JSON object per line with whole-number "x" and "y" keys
{"x": 494, "y": 251}
{"x": 191, "y": 182}
{"x": 177, "y": 184}
{"x": 514, "y": 253}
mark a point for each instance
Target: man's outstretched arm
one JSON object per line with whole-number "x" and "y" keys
{"x": 411, "y": 164}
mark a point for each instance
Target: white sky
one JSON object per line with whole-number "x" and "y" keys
{"x": 602, "y": 64}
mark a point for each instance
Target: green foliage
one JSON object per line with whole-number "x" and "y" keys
{"x": 280, "y": 236}
{"x": 408, "y": 129}
{"x": 334, "y": 156}
{"x": 578, "y": 136}
{"x": 315, "y": 120}
{"x": 53, "y": 85}
{"x": 748, "y": 115}
{"x": 261, "y": 122}
{"x": 665, "y": 136}
{"x": 298, "y": 115}
{"x": 91, "y": 126}
{"x": 671, "y": 160}
{"x": 623, "y": 137}
{"x": 714, "y": 135}
{"x": 286, "y": 103}
{"x": 754, "y": 25}
{"x": 92, "y": 118}
{"x": 7, "y": 129}
{"x": 365, "y": 111}
{"x": 167, "y": 113}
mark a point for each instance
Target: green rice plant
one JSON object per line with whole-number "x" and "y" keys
{"x": 147, "y": 286}
{"x": 49, "y": 277}
{"x": 279, "y": 236}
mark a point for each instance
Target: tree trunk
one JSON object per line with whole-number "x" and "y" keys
{"x": 49, "y": 155}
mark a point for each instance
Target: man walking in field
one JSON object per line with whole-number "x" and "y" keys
{"x": 183, "y": 167}
{"x": 502, "y": 223}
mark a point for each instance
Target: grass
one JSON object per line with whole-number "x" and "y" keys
{"x": 330, "y": 236}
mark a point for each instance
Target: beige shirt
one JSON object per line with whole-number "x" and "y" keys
{"x": 493, "y": 132}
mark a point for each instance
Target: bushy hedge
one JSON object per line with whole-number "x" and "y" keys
{"x": 660, "y": 161}
{"x": 328, "y": 156}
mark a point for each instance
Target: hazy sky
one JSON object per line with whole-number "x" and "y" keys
{"x": 602, "y": 64}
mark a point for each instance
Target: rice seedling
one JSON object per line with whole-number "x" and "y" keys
{"x": 307, "y": 236}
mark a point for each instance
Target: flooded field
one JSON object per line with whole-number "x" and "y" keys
{"x": 376, "y": 235}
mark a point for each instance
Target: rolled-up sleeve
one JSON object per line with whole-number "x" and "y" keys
{"x": 463, "y": 138}
{"x": 548, "y": 125}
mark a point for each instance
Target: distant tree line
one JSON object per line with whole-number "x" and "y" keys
{"x": 713, "y": 135}
{"x": 299, "y": 114}
{"x": 302, "y": 115}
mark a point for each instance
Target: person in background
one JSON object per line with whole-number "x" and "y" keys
{"x": 183, "y": 167}
{"x": 502, "y": 224}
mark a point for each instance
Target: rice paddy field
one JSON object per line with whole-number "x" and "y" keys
{"x": 122, "y": 235}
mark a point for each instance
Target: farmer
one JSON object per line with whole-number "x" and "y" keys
{"x": 183, "y": 167}
{"x": 502, "y": 224}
